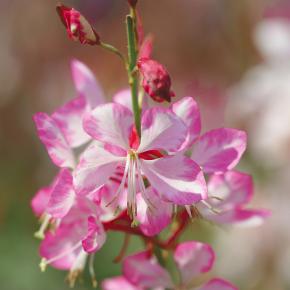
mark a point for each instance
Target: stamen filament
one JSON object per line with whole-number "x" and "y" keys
{"x": 45, "y": 262}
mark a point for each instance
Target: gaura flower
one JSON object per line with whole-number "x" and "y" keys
{"x": 215, "y": 151}
{"x": 176, "y": 178}
{"x": 193, "y": 259}
{"x": 62, "y": 130}
{"x": 77, "y": 26}
{"x": 228, "y": 195}
{"x": 156, "y": 80}
{"x": 79, "y": 234}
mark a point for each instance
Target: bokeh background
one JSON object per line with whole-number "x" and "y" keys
{"x": 232, "y": 56}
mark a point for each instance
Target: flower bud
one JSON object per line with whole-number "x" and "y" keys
{"x": 132, "y": 3}
{"x": 77, "y": 26}
{"x": 156, "y": 80}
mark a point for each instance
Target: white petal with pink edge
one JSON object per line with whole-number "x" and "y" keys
{"x": 144, "y": 271}
{"x": 110, "y": 123}
{"x": 155, "y": 218}
{"x": 187, "y": 109}
{"x": 54, "y": 141}
{"x": 69, "y": 118}
{"x": 218, "y": 284}
{"x": 97, "y": 164}
{"x": 219, "y": 150}
{"x": 161, "y": 129}
{"x": 231, "y": 189}
{"x": 193, "y": 258}
{"x": 86, "y": 84}
{"x": 177, "y": 179}
{"x": 62, "y": 195}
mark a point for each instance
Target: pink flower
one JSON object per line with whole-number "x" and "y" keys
{"x": 141, "y": 272}
{"x": 229, "y": 193}
{"x": 156, "y": 80}
{"x": 215, "y": 151}
{"x": 176, "y": 178}
{"x": 77, "y": 26}
{"x": 79, "y": 234}
{"x": 62, "y": 131}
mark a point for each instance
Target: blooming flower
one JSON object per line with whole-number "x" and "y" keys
{"x": 79, "y": 234}
{"x": 215, "y": 151}
{"x": 229, "y": 193}
{"x": 62, "y": 130}
{"x": 141, "y": 272}
{"x": 77, "y": 26}
{"x": 156, "y": 80}
{"x": 176, "y": 178}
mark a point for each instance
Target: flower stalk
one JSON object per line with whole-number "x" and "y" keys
{"x": 132, "y": 75}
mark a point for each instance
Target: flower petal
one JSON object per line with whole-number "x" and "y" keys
{"x": 110, "y": 123}
{"x": 62, "y": 195}
{"x": 187, "y": 109}
{"x": 193, "y": 258}
{"x": 218, "y": 284}
{"x": 118, "y": 283}
{"x": 40, "y": 200}
{"x": 233, "y": 188}
{"x": 69, "y": 119}
{"x": 177, "y": 179}
{"x": 240, "y": 217}
{"x": 97, "y": 164}
{"x": 161, "y": 129}
{"x": 144, "y": 271}
{"x": 54, "y": 140}
{"x": 59, "y": 244}
{"x": 153, "y": 220}
{"x": 86, "y": 84}
{"x": 96, "y": 236}
{"x": 219, "y": 150}
{"x": 123, "y": 98}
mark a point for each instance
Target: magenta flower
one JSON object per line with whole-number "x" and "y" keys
{"x": 156, "y": 80}
{"x": 228, "y": 194}
{"x": 141, "y": 272}
{"x": 77, "y": 26}
{"x": 62, "y": 130}
{"x": 176, "y": 178}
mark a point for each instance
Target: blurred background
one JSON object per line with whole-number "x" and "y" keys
{"x": 232, "y": 56}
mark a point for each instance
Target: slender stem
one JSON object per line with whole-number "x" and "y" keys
{"x": 113, "y": 49}
{"x": 133, "y": 77}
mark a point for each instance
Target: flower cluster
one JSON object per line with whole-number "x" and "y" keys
{"x": 130, "y": 166}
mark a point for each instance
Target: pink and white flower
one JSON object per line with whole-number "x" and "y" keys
{"x": 79, "y": 234}
{"x": 176, "y": 178}
{"x": 142, "y": 271}
{"x": 62, "y": 130}
{"x": 215, "y": 151}
{"x": 228, "y": 196}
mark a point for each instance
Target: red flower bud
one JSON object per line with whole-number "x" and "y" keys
{"x": 132, "y": 3}
{"x": 156, "y": 80}
{"x": 77, "y": 26}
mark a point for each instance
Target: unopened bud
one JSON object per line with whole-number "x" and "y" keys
{"x": 156, "y": 80}
{"x": 132, "y": 3}
{"x": 77, "y": 26}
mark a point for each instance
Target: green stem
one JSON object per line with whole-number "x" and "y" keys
{"x": 133, "y": 77}
{"x": 113, "y": 49}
